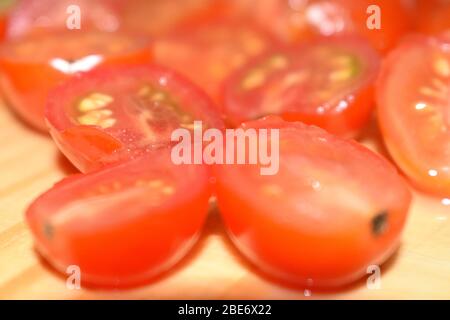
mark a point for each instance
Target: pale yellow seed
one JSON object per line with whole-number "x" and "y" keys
{"x": 155, "y": 183}
{"x": 278, "y": 62}
{"x": 144, "y": 91}
{"x": 107, "y": 123}
{"x": 94, "y": 101}
{"x": 442, "y": 67}
{"x": 168, "y": 190}
{"x": 94, "y": 117}
{"x": 158, "y": 96}
{"x": 254, "y": 79}
{"x": 341, "y": 75}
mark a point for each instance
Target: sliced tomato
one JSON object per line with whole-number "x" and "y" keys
{"x": 433, "y": 16}
{"x": 125, "y": 224}
{"x": 33, "y": 65}
{"x": 327, "y": 82}
{"x": 413, "y": 97}
{"x": 292, "y": 21}
{"x": 208, "y": 53}
{"x": 31, "y": 17}
{"x": 115, "y": 114}
{"x": 333, "y": 209}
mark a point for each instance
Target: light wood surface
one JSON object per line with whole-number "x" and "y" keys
{"x": 30, "y": 164}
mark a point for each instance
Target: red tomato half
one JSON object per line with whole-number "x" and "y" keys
{"x": 333, "y": 209}
{"x": 114, "y": 114}
{"x": 41, "y": 16}
{"x": 125, "y": 224}
{"x": 293, "y": 20}
{"x": 328, "y": 83}
{"x": 413, "y": 97}
{"x": 208, "y": 53}
{"x": 32, "y": 66}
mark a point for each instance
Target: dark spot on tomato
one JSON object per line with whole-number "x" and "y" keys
{"x": 49, "y": 231}
{"x": 379, "y": 223}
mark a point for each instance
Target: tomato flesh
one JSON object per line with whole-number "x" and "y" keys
{"x": 328, "y": 83}
{"x": 32, "y": 66}
{"x": 413, "y": 97}
{"x": 208, "y": 53}
{"x": 115, "y": 114}
{"x": 333, "y": 208}
{"x": 125, "y": 224}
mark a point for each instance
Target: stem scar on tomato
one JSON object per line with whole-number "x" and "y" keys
{"x": 380, "y": 223}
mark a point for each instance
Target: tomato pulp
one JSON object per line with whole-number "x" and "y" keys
{"x": 333, "y": 209}
{"x": 125, "y": 224}
{"x": 413, "y": 97}
{"x": 115, "y": 114}
{"x": 31, "y": 66}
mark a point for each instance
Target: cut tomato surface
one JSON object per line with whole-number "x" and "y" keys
{"x": 333, "y": 209}
{"x": 208, "y": 53}
{"x": 115, "y": 114}
{"x": 31, "y": 17}
{"x": 33, "y": 65}
{"x": 293, "y": 21}
{"x": 413, "y": 97}
{"x": 326, "y": 82}
{"x": 125, "y": 224}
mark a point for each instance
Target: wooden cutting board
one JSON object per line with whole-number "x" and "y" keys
{"x": 30, "y": 164}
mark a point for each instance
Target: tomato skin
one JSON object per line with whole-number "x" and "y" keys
{"x": 432, "y": 16}
{"x": 241, "y": 104}
{"x": 413, "y": 111}
{"x": 91, "y": 147}
{"x": 124, "y": 236}
{"x": 295, "y": 238}
{"x": 25, "y": 84}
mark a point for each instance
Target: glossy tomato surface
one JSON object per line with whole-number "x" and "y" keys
{"x": 327, "y": 82}
{"x": 413, "y": 97}
{"x": 294, "y": 20}
{"x": 33, "y": 65}
{"x": 333, "y": 208}
{"x": 125, "y": 224}
{"x": 31, "y": 17}
{"x": 115, "y": 114}
{"x": 208, "y": 53}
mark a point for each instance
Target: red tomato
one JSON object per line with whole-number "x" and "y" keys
{"x": 328, "y": 83}
{"x": 208, "y": 53}
{"x": 160, "y": 16}
{"x": 125, "y": 224}
{"x": 40, "y": 16}
{"x": 433, "y": 16}
{"x": 413, "y": 97}
{"x": 114, "y": 114}
{"x": 32, "y": 66}
{"x": 333, "y": 208}
{"x": 293, "y": 20}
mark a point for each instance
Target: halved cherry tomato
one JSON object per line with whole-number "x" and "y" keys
{"x": 333, "y": 209}
{"x": 328, "y": 83}
{"x": 31, "y": 17}
{"x": 114, "y": 114}
{"x": 294, "y": 20}
{"x": 32, "y": 66}
{"x": 413, "y": 97}
{"x": 208, "y": 53}
{"x": 125, "y": 224}
{"x": 433, "y": 16}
